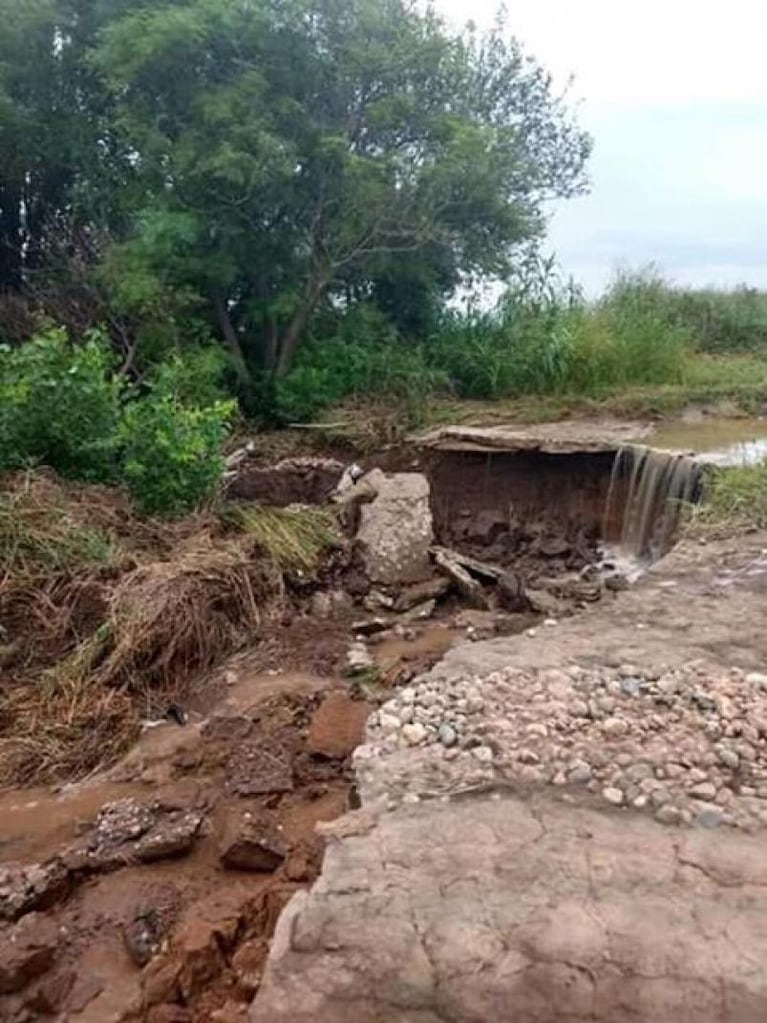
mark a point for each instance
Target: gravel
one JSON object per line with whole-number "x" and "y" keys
{"x": 687, "y": 745}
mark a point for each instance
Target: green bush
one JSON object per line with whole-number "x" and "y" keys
{"x": 363, "y": 357}
{"x": 59, "y": 406}
{"x": 171, "y": 451}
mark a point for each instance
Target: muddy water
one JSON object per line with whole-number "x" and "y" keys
{"x": 725, "y": 442}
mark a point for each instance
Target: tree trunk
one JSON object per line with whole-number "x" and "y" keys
{"x": 11, "y": 248}
{"x": 232, "y": 341}
{"x": 290, "y": 340}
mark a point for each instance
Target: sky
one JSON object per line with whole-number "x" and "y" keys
{"x": 674, "y": 94}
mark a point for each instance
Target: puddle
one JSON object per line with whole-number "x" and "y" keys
{"x": 724, "y": 442}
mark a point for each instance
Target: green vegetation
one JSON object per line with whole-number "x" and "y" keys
{"x": 62, "y": 405}
{"x": 283, "y": 204}
{"x": 734, "y": 498}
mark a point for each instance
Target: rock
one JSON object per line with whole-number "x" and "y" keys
{"x": 132, "y": 830}
{"x": 709, "y": 816}
{"x": 579, "y": 772}
{"x": 486, "y": 527}
{"x": 613, "y": 795}
{"x": 337, "y": 726}
{"x": 703, "y": 790}
{"x": 395, "y": 530}
{"x": 144, "y": 933}
{"x": 757, "y": 678}
{"x": 544, "y": 603}
{"x": 329, "y": 603}
{"x": 254, "y": 769}
{"x": 483, "y": 753}
{"x": 615, "y": 727}
{"x": 431, "y": 589}
{"x": 446, "y": 561}
{"x": 24, "y": 887}
{"x": 511, "y": 592}
{"x": 369, "y": 626}
{"x": 668, "y": 814}
{"x": 248, "y": 965}
{"x": 251, "y": 844}
{"x": 358, "y": 659}
{"x": 421, "y": 612}
{"x": 728, "y": 757}
{"x": 631, "y": 686}
{"x": 413, "y": 734}
{"x": 27, "y": 950}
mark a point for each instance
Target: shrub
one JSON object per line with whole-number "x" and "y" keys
{"x": 364, "y": 356}
{"x": 171, "y": 452}
{"x": 59, "y": 406}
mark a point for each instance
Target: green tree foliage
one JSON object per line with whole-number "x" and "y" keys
{"x": 241, "y": 166}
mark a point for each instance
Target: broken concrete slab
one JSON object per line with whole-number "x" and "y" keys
{"x": 395, "y": 529}
{"x": 447, "y": 562}
{"x": 550, "y": 438}
{"x": 462, "y": 910}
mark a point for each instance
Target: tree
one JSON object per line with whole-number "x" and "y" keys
{"x": 291, "y": 152}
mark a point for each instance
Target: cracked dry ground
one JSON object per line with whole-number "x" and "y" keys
{"x": 468, "y": 889}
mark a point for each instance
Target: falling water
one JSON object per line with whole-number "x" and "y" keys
{"x": 652, "y": 486}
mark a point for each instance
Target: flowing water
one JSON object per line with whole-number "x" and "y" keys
{"x": 651, "y": 487}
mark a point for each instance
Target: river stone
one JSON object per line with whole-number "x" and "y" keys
{"x": 395, "y": 530}
{"x": 413, "y": 734}
{"x": 447, "y": 735}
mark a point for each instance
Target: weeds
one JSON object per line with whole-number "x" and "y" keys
{"x": 294, "y": 538}
{"x": 734, "y": 499}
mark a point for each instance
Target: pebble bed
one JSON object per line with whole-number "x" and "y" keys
{"x": 687, "y": 745}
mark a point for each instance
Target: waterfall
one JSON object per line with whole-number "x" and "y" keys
{"x": 650, "y": 486}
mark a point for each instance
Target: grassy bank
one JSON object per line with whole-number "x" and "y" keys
{"x": 644, "y": 348}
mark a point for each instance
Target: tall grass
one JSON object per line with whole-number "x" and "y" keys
{"x": 543, "y": 339}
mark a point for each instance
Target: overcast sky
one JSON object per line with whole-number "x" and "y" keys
{"x": 674, "y": 93}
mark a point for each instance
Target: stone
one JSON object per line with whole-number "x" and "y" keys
{"x": 389, "y": 723}
{"x": 359, "y": 659}
{"x": 447, "y": 735}
{"x": 579, "y": 773}
{"x": 248, "y": 965}
{"x": 419, "y": 593}
{"x": 757, "y": 678}
{"x": 728, "y": 757}
{"x": 613, "y": 795}
{"x": 615, "y": 727}
{"x": 132, "y": 830}
{"x": 329, "y": 603}
{"x": 483, "y": 753}
{"x": 486, "y": 527}
{"x": 709, "y": 816}
{"x": 395, "y": 530}
{"x": 337, "y": 726}
{"x": 511, "y": 592}
{"x": 668, "y": 814}
{"x": 251, "y": 844}
{"x": 27, "y": 950}
{"x": 703, "y": 790}
{"x": 24, "y": 887}
{"x": 631, "y": 686}
{"x": 414, "y": 734}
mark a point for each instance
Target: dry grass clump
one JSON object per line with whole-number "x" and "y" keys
{"x": 295, "y": 538}
{"x": 93, "y": 626}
